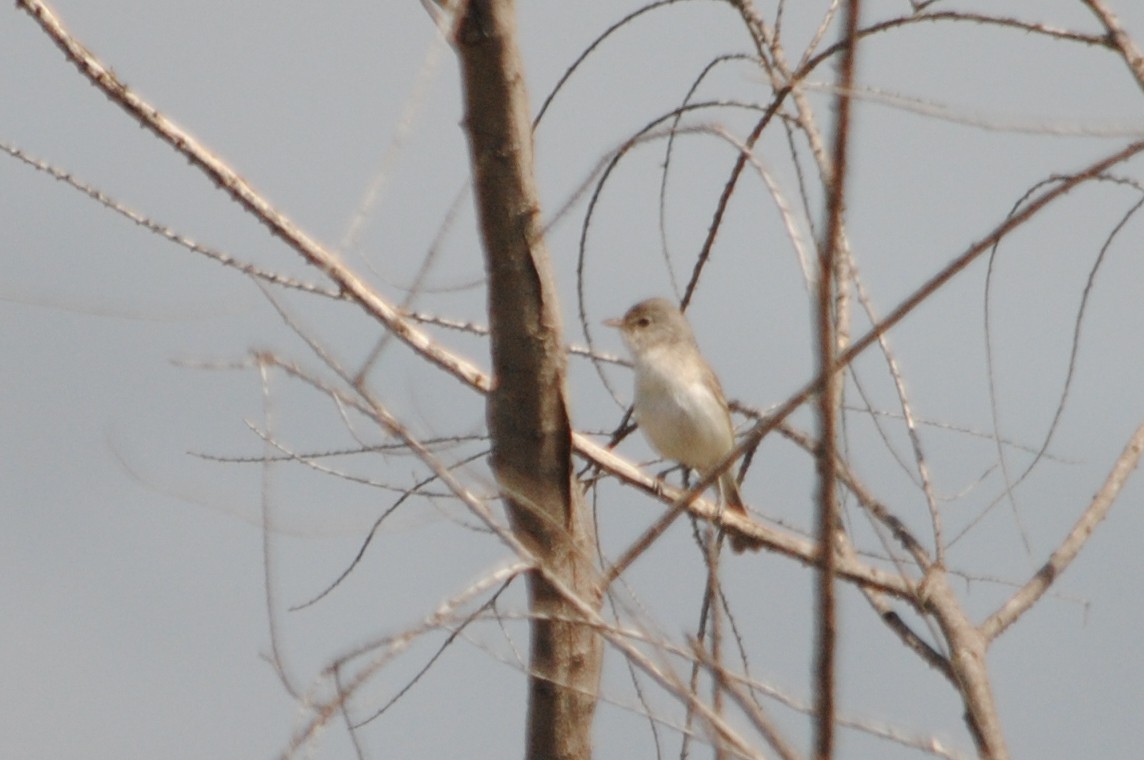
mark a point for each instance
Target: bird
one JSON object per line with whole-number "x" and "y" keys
{"x": 678, "y": 402}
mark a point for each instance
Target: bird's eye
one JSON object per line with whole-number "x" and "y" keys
{"x": 643, "y": 321}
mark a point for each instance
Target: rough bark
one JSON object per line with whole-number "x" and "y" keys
{"x": 527, "y": 407}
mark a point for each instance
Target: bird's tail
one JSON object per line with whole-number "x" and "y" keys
{"x": 733, "y": 500}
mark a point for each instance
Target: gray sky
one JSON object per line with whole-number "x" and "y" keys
{"x": 132, "y": 570}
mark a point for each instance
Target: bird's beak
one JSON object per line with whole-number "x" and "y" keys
{"x": 616, "y": 323}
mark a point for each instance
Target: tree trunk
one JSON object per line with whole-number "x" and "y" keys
{"x": 527, "y": 408}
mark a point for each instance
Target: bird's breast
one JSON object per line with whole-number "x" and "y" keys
{"x": 682, "y": 418}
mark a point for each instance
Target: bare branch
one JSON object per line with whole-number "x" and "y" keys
{"x": 763, "y": 722}
{"x": 162, "y": 230}
{"x": 1119, "y": 39}
{"x": 967, "y": 648}
{"x": 1060, "y": 559}
{"x": 349, "y": 284}
{"x": 829, "y": 316}
{"x": 928, "y": 288}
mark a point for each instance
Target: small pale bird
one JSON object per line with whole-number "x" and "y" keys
{"x": 679, "y": 403}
